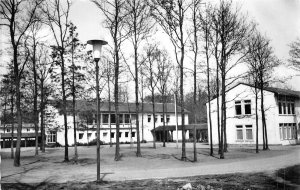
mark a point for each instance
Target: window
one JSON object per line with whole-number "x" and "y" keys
{"x": 293, "y": 108}
{"x": 112, "y": 118}
{"x": 80, "y": 135}
{"x": 112, "y": 135}
{"x": 287, "y": 131}
{"x": 127, "y": 118}
{"x": 155, "y": 120}
{"x": 280, "y": 131}
{"x": 162, "y": 118}
{"x": 247, "y": 104}
{"x": 126, "y": 134}
{"x": 7, "y": 130}
{"x": 89, "y": 135}
{"x": 149, "y": 118}
{"x": 133, "y": 134}
{"x": 239, "y": 132}
{"x": 105, "y": 134}
{"x": 105, "y": 118}
{"x": 238, "y": 108}
{"x": 120, "y": 134}
{"x": 51, "y": 137}
{"x": 286, "y": 105}
{"x": 280, "y": 108}
{"x": 249, "y": 135}
{"x": 168, "y": 118}
{"x": 121, "y": 118}
{"x": 28, "y": 129}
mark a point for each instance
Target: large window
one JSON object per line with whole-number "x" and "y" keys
{"x": 243, "y": 107}
{"x": 249, "y": 134}
{"x": 238, "y": 108}
{"x": 51, "y": 137}
{"x": 287, "y": 131}
{"x": 121, "y": 118}
{"x": 239, "y": 132}
{"x": 286, "y": 105}
{"x": 112, "y": 118}
{"x": 247, "y": 104}
{"x": 127, "y": 118}
{"x": 244, "y": 132}
{"x": 105, "y": 118}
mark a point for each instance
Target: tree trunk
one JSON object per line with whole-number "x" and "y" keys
{"x": 35, "y": 111}
{"x": 66, "y": 159}
{"x": 138, "y": 151}
{"x": 12, "y": 125}
{"x": 18, "y": 104}
{"x": 164, "y": 124}
{"x": 256, "y": 116}
{"x": 42, "y": 117}
{"x": 74, "y": 103}
{"x": 263, "y": 116}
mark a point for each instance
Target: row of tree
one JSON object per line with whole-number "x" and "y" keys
{"x": 219, "y": 36}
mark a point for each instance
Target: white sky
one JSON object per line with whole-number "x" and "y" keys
{"x": 278, "y": 19}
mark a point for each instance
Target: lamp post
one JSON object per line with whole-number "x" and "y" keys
{"x": 97, "y": 46}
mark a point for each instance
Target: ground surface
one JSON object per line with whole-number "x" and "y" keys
{"x": 162, "y": 163}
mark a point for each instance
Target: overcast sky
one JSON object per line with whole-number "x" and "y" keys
{"x": 277, "y": 19}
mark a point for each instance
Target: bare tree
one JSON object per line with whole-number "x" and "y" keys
{"x": 295, "y": 54}
{"x": 114, "y": 21}
{"x": 171, "y": 17}
{"x": 138, "y": 24}
{"x": 18, "y": 16}
{"x": 57, "y": 18}
{"x": 151, "y": 80}
{"x": 163, "y": 78}
{"x": 233, "y": 30}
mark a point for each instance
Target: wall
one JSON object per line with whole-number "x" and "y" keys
{"x": 244, "y": 92}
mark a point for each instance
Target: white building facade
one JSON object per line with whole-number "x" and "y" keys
{"x": 282, "y": 112}
{"x": 86, "y": 125}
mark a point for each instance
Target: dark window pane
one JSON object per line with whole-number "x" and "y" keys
{"x": 288, "y": 108}
{"x": 112, "y": 135}
{"x": 149, "y": 118}
{"x": 126, "y": 134}
{"x": 133, "y": 134}
{"x": 280, "y": 108}
{"x": 80, "y": 135}
{"x": 284, "y": 109}
{"x": 120, "y": 118}
{"x": 238, "y": 109}
{"x": 127, "y": 118}
{"x": 113, "y": 118}
{"x": 120, "y": 134}
{"x": 248, "y": 109}
{"x": 105, "y": 118}
{"x": 293, "y": 108}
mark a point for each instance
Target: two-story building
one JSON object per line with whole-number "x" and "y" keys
{"x": 86, "y": 122}
{"x": 282, "y": 111}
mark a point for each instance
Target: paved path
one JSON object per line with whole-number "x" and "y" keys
{"x": 49, "y": 167}
{"x": 234, "y": 166}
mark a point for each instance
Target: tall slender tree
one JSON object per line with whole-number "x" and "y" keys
{"x": 57, "y": 18}
{"x": 114, "y": 13}
{"x": 138, "y": 25}
{"x": 170, "y": 15}
{"x": 18, "y": 16}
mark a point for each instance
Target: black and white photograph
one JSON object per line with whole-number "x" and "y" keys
{"x": 150, "y": 94}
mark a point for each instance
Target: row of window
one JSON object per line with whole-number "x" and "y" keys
{"x": 287, "y": 131}
{"x": 243, "y": 107}
{"x": 9, "y": 130}
{"x": 167, "y": 117}
{"x": 244, "y": 132}
{"x": 123, "y": 118}
{"x": 286, "y": 105}
{"x": 105, "y": 134}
